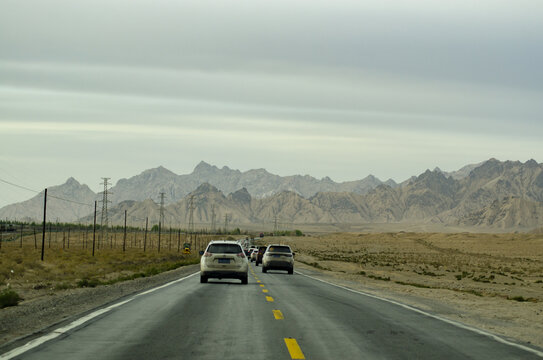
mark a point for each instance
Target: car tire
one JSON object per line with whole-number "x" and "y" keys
{"x": 264, "y": 269}
{"x": 245, "y": 280}
{"x": 291, "y": 271}
{"x": 203, "y": 279}
{"x": 256, "y": 263}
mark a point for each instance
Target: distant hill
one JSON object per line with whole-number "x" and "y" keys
{"x": 259, "y": 183}
{"x": 493, "y": 195}
{"x": 64, "y": 211}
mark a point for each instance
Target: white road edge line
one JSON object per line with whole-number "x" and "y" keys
{"x": 452, "y": 322}
{"x": 62, "y": 330}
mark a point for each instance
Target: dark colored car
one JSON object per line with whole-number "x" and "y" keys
{"x": 260, "y": 255}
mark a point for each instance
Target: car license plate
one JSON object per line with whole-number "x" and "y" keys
{"x": 224, "y": 261}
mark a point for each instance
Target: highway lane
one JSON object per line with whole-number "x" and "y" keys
{"x": 276, "y": 316}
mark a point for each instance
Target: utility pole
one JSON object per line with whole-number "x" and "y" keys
{"x": 44, "y": 221}
{"x": 124, "y": 237}
{"x": 161, "y": 219}
{"x": 104, "y": 220}
{"x": 93, "y": 229}
{"x": 145, "y": 238}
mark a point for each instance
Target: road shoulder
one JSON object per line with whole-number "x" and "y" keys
{"x": 510, "y": 320}
{"x": 30, "y": 319}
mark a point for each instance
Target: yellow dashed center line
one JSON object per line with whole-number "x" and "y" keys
{"x": 258, "y": 281}
{"x": 264, "y": 290}
{"x": 294, "y": 349}
{"x": 278, "y": 315}
{"x": 269, "y": 298}
{"x": 261, "y": 285}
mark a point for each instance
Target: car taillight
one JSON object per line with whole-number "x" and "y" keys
{"x": 241, "y": 255}
{"x": 207, "y": 254}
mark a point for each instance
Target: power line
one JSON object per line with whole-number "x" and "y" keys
{"x": 19, "y": 186}
{"x": 49, "y": 195}
{"x": 72, "y": 201}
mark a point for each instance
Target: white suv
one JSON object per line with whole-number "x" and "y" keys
{"x": 224, "y": 259}
{"x": 278, "y": 257}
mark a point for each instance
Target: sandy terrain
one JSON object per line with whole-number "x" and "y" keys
{"x": 491, "y": 281}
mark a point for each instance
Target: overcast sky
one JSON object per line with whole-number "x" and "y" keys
{"x": 344, "y": 89}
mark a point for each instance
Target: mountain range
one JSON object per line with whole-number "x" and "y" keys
{"x": 494, "y": 195}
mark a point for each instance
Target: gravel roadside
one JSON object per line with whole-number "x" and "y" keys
{"x": 29, "y": 319}
{"x": 514, "y": 321}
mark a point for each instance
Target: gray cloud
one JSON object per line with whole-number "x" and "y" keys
{"x": 491, "y": 41}
{"x": 339, "y": 88}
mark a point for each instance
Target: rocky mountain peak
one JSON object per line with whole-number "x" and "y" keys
{"x": 205, "y": 188}
{"x": 428, "y": 174}
{"x": 327, "y": 179}
{"x": 204, "y": 167}
{"x": 489, "y": 169}
{"x": 72, "y": 182}
{"x": 160, "y": 171}
{"x": 241, "y": 196}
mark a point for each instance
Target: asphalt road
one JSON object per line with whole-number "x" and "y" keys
{"x": 276, "y": 316}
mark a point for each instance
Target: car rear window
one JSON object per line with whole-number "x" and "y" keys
{"x": 224, "y": 249}
{"x": 284, "y": 249}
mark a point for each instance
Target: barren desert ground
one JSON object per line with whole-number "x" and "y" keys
{"x": 491, "y": 281}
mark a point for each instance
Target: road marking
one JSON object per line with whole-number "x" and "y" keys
{"x": 294, "y": 349}
{"x": 452, "y": 322}
{"x": 258, "y": 281}
{"x": 269, "y": 298}
{"x": 62, "y": 330}
{"x": 265, "y": 290}
{"x": 278, "y": 315}
{"x": 261, "y": 285}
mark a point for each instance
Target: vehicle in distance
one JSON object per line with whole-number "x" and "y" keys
{"x": 224, "y": 259}
{"x": 278, "y": 257}
{"x": 260, "y": 254}
{"x": 253, "y": 254}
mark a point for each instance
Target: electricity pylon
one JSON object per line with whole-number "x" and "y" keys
{"x": 213, "y": 216}
{"x": 191, "y": 214}
{"x": 104, "y": 220}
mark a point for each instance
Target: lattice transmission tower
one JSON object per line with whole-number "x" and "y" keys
{"x": 213, "y": 218}
{"x": 227, "y": 218}
{"x": 104, "y": 220}
{"x": 191, "y": 214}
